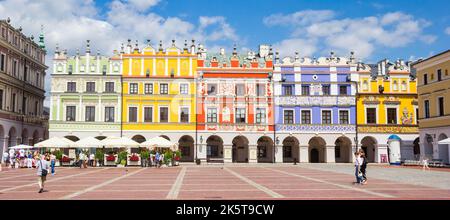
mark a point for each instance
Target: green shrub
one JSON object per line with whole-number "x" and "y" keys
{"x": 123, "y": 162}
{"x": 99, "y": 154}
{"x": 145, "y": 154}
{"x": 58, "y": 154}
{"x": 123, "y": 156}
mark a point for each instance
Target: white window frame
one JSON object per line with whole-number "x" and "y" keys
{"x": 339, "y": 116}
{"x": 182, "y": 84}
{"x": 168, "y": 113}
{"x": 65, "y": 112}
{"x": 5, "y": 63}
{"x": 217, "y": 114}
{"x": 160, "y": 87}
{"x": 425, "y": 108}
{"x": 365, "y": 112}
{"x": 104, "y": 113}
{"x": 143, "y": 113}
{"x": 235, "y": 113}
{"x": 293, "y": 115}
{"x": 310, "y": 116}
{"x": 321, "y": 115}
{"x": 189, "y": 114}
{"x": 145, "y": 88}
{"x": 265, "y": 115}
{"x": 137, "y": 113}
{"x": 114, "y": 85}
{"x": 396, "y": 106}
{"x": 129, "y": 88}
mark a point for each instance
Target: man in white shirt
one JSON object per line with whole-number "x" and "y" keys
{"x": 5, "y": 158}
{"x": 91, "y": 160}
{"x": 42, "y": 165}
{"x": 81, "y": 158}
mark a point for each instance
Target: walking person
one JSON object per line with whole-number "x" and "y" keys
{"x": 161, "y": 159}
{"x": 425, "y": 164}
{"x": 30, "y": 160}
{"x": 363, "y": 166}
{"x": 12, "y": 158}
{"x": 81, "y": 158}
{"x": 152, "y": 159}
{"x": 6, "y": 158}
{"x": 92, "y": 160}
{"x": 358, "y": 163}
{"x": 157, "y": 159}
{"x": 42, "y": 170}
{"x": 52, "y": 163}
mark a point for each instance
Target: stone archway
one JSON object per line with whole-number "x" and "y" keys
{"x": 214, "y": 147}
{"x": 265, "y": 150}
{"x": 72, "y": 138}
{"x": 25, "y": 136}
{"x": 35, "y": 137}
{"x": 138, "y": 138}
{"x": 343, "y": 150}
{"x": 416, "y": 149}
{"x": 100, "y": 137}
{"x": 166, "y": 137}
{"x": 369, "y": 144}
{"x": 186, "y": 146}
{"x": 291, "y": 148}
{"x": 12, "y": 137}
{"x": 428, "y": 146}
{"x": 240, "y": 151}
{"x": 317, "y": 150}
{"x": 443, "y": 149}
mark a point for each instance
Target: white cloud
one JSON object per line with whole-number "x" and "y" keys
{"x": 71, "y": 22}
{"x": 447, "y": 30}
{"x": 288, "y": 47}
{"x": 362, "y": 35}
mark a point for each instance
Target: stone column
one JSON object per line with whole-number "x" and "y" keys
{"x": 227, "y": 153}
{"x": 252, "y": 151}
{"x": 278, "y": 153}
{"x": 304, "y": 154}
{"x": 329, "y": 154}
{"x": 380, "y": 151}
{"x": 435, "y": 150}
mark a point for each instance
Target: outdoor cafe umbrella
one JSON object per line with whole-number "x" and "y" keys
{"x": 158, "y": 142}
{"x": 55, "y": 142}
{"x": 21, "y": 146}
{"x": 88, "y": 142}
{"x": 118, "y": 142}
{"x": 445, "y": 141}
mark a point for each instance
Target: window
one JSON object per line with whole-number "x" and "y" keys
{"x": 1, "y": 99}
{"x": 404, "y": 86}
{"x": 148, "y": 88}
{"x": 427, "y": 108}
{"x": 287, "y": 151}
{"x": 365, "y": 85}
{"x": 109, "y": 114}
{"x": 132, "y": 114}
{"x": 212, "y": 89}
{"x": 305, "y": 89}
{"x": 343, "y": 117}
{"x": 425, "y": 79}
{"x": 164, "y": 88}
{"x": 90, "y": 113}
{"x": 14, "y": 69}
{"x": 24, "y": 105}
{"x": 395, "y": 85}
{"x": 36, "y": 107}
{"x": 104, "y": 70}
{"x": 439, "y": 75}
{"x": 260, "y": 89}
{"x": 70, "y": 113}
{"x": 288, "y": 117}
{"x": 37, "y": 79}
{"x": 2, "y": 62}
{"x": 306, "y": 117}
{"x": 392, "y": 116}
{"x": 441, "y": 106}
{"x": 13, "y": 102}
{"x": 71, "y": 86}
{"x": 70, "y": 69}
{"x": 240, "y": 89}
{"x": 371, "y": 115}
{"x": 184, "y": 89}
{"x": 148, "y": 114}
{"x": 184, "y": 115}
{"x": 342, "y": 90}
{"x": 25, "y": 74}
{"x": 212, "y": 150}
{"x": 109, "y": 87}
{"x": 326, "y": 89}
{"x": 134, "y": 88}
{"x": 164, "y": 114}
{"x": 326, "y": 117}
{"x": 260, "y": 116}
{"x": 287, "y": 90}
{"x": 90, "y": 87}
{"x": 240, "y": 115}
{"x": 211, "y": 115}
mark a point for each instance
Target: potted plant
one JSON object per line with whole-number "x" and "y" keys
{"x": 168, "y": 156}
{"x": 99, "y": 156}
{"x": 177, "y": 157}
{"x": 58, "y": 154}
{"x": 65, "y": 160}
{"x": 123, "y": 157}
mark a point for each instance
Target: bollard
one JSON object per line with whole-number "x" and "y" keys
{"x": 295, "y": 161}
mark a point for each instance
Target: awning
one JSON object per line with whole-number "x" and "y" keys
{"x": 158, "y": 142}
{"x": 119, "y": 142}
{"x": 21, "y": 146}
{"x": 88, "y": 142}
{"x": 55, "y": 142}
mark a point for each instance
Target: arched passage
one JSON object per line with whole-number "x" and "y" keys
{"x": 240, "y": 152}
{"x": 12, "y": 137}
{"x": 72, "y": 138}
{"x": 317, "y": 150}
{"x": 100, "y": 137}
{"x": 214, "y": 147}
{"x": 290, "y": 150}
{"x": 166, "y": 137}
{"x": 35, "y": 137}
{"x": 443, "y": 149}
{"x": 369, "y": 144}
{"x": 2, "y": 139}
{"x": 186, "y": 146}
{"x": 25, "y": 136}
{"x": 138, "y": 138}
{"x": 428, "y": 146}
{"x": 265, "y": 150}
{"x": 343, "y": 150}
{"x": 416, "y": 149}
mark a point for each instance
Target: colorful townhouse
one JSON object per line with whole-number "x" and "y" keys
{"x": 85, "y": 96}
{"x": 159, "y": 94}
{"x": 234, "y": 106}
{"x": 387, "y": 109}
{"x": 434, "y": 106}
{"x": 315, "y": 108}
{"x": 22, "y": 94}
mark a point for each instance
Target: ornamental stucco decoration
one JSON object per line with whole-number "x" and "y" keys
{"x": 317, "y": 128}
{"x": 315, "y": 100}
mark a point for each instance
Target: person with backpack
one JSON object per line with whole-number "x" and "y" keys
{"x": 363, "y": 167}
{"x": 358, "y": 162}
{"x": 42, "y": 171}
{"x": 157, "y": 164}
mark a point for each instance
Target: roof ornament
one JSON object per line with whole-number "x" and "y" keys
{"x": 32, "y": 37}
{"x": 41, "y": 38}
{"x": 57, "y": 48}
{"x": 277, "y": 57}
{"x": 296, "y": 58}
{"x": 8, "y": 20}
{"x": 173, "y": 43}
{"x": 78, "y": 52}
{"x": 129, "y": 43}
{"x": 88, "y": 48}
{"x": 20, "y": 29}
{"x": 160, "y": 46}
{"x": 148, "y": 43}
{"x": 121, "y": 48}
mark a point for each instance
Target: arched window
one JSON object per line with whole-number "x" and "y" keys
{"x": 404, "y": 86}
{"x": 365, "y": 85}
{"x": 395, "y": 85}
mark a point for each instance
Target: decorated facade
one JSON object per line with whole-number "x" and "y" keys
{"x": 315, "y": 108}
{"x": 387, "y": 109}
{"x": 159, "y": 94}
{"x": 22, "y": 73}
{"x": 234, "y": 106}
{"x": 85, "y": 95}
